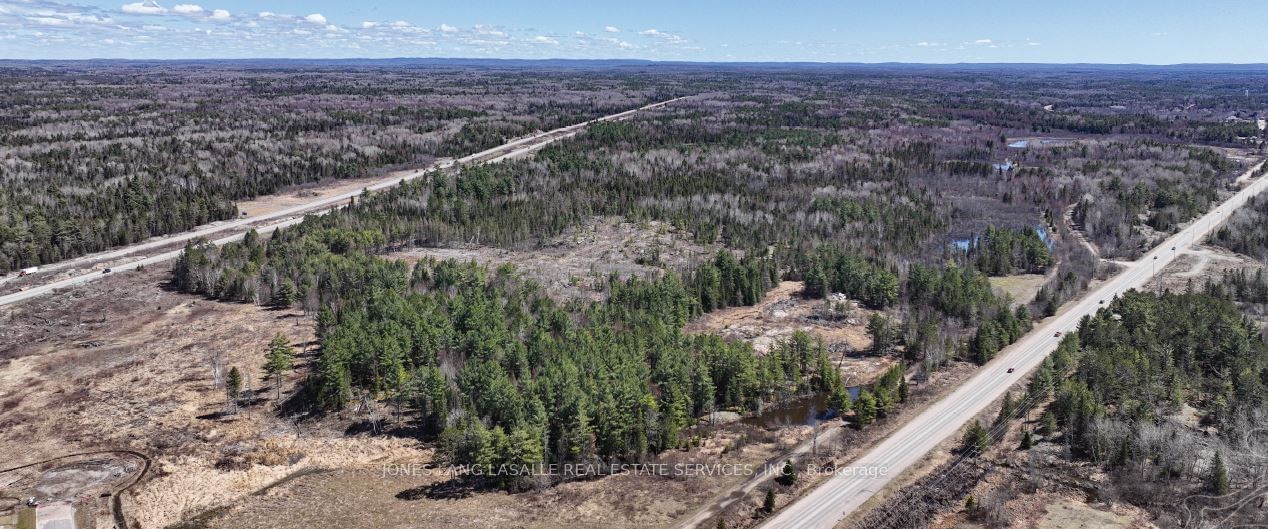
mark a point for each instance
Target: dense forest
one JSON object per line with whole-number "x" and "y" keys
{"x": 94, "y": 158}
{"x": 898, "y": 199}
{"x": 1116, "y": 212}
{"x": 1248, "y": 286}
{"x": 1244, "y": 232}
{"x": 500, "y": 374}
{"x": 485, "y": 357}
{"x": 1147, "y": 355}
{"x": 503, "y": 375}
{"x": 1005, "y": 252}
{"x": 1124, "y": 388}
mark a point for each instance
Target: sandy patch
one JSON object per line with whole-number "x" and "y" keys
{"x": 300, "y": 195}
{"x": 1194, "y": 267}
{"x": 60, "y": 515}
{"x": 1069, "y": 514}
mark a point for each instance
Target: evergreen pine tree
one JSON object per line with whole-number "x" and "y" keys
{"x": 1217, "y": 482}
{"x": 285, "y": 295}
{"x": 233, "y": 387}
{"x": 816, "y": 285}
{"x": 277, "y": 361}
{"x": 1048, "y": 423}
{"x": 865, "y": 408}
{"x": 882, "y": 331}
{"x": 839, "y": 398}
{"x": 976, "y": 439}
{"x": 1006, "y": 409}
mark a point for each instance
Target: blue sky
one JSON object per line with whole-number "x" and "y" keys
{"x": 1106, "y": 31}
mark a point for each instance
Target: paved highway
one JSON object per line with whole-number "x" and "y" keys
{"x": 293, "y": 215}
{"x": 831, "y": 502}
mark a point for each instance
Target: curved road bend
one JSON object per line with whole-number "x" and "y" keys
{"x": 292, "y": 215}
{"x": 831, "y": 502}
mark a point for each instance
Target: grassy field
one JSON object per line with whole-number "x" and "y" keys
{"x": 1021, "y": 287}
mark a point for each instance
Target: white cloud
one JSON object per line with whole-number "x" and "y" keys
{"x": 658, "y": 34}
{"x": 182, "y": 24}
{"x": 399, "y": 26}
{"x": 148, "y": 7}
{"x": 45, "y": 17}
{"x": 982, "y": 41}
{"x": 1032, "y": 43}
{"x": 620, "y": 43}
{"x": 49, "y": 21}
{"x": 87, "y": 19}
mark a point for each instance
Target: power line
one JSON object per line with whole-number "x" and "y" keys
{"x": 928, "y": 490}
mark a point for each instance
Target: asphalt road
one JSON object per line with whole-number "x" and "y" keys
{"x": 294, "y": 215}
{"x": 844, "y": 492}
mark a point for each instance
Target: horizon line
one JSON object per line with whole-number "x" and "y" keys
{"x": 631, "y": 60}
